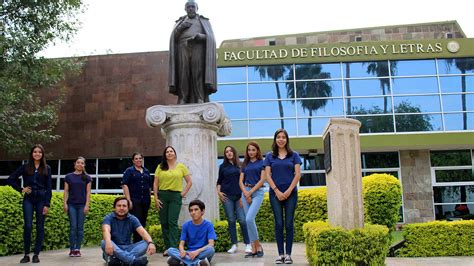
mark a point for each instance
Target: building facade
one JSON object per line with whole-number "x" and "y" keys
{"x": 411, "y": 86}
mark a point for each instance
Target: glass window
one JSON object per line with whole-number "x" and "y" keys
{"x": 236, "y": 110}
{"x": 318, "y": 71}
{"x": 110, "y": 183}
{"x": 379, "y": 160}
{"x": 67, "y": 166}
{"x": 415, "y": 85}
{"x": 8, "y": 167}
{"x": 270, "y": 73}
{"x": 416, "y": 104}
{"x": 317, "y": 89}
{"x": 367, "y": 173}
{"x": 368, "y": 87}
{"x": 3, "y": 181}
{"x": 266, "y": 128}
{"x": 114, "y": 166}
{"x": 460, "y": 121}
{"x": 453, "y": 194}
{"x": 454, "y": 211}
{"x": 454, "y": 84}
{"x": 232, "y": 92}
{"x": 405, "y": 123}
{"x": 271, "y": 109}
{"x": 455, "y": 175}
{"x": 320, "y": 107}
{"x": 151, "y": 162}
{"x": 269, "y": 91}
{"x": 365, "y": 69}
{"x": 54, "y": 166}
{"x": 451, "y": 158}
{"x": 312, "y": 162}
{"x": 453, "y": 102}
{"x": 231, "y": 74}
{"x": 413, "y": 67}
{"x": 312, "y": 126}
{"x": 313, "y": 179}
{"x": 375, "y": 124}
{"x": 456, "y": 65}
{"x": 376, "y": 105}
{"x": 239, "y": 129}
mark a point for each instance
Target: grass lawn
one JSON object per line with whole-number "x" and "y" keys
{"x": 397, "y": 236}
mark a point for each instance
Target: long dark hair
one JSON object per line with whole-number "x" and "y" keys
{"x": 30, "y": 166}
{"x": 247, "y": 157}
{"x": 235, "y": 161}
{"x": 289, "y": 151}
{"x": 164, "y": 163}
{"x": 84, "y": 173}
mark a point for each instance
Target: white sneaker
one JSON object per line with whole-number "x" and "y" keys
{"x": 248, "y": 248}
{"x": 233, "y": 249}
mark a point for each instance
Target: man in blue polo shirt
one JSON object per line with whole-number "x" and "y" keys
{"x": 199, "y": 235}
{"x": 117, "y": 229}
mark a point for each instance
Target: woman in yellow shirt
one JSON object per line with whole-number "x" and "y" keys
{"x": 169, "y": 192}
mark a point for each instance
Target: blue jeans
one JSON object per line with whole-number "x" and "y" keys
{"x": 207, "y": 253}
{"x": 126, "y": 253}
{"x": 76, "y": 225}
{"x": 290, "y": 206}
{"x": 30, "y": 206}
{"x": 251, "y": 211}
{"x": 231, "y": 208}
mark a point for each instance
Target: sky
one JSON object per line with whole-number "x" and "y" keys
{"x": 125, "y": 26}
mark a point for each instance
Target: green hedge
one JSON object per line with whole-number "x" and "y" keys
{"x": 222, "y": 244}
{"x": 56, "y": 223}
{"x": 382, "y": 201}
{"x": 327, "y": 245}
{"x": 439, "y": 238}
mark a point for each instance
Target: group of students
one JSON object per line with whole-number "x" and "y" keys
{"x": 239, "y": 187}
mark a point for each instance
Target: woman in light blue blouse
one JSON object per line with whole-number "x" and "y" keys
{"x": 283, "y": 172}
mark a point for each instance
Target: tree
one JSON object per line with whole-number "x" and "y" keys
{"x": 31, "y": 87}
{"x": 380, "y": 69}
{"x": 307, "y": 90}
{"x": 464, "y": 65}
{"x": 275, "y": 73}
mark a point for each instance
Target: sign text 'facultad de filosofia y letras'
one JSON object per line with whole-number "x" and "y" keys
{"x": 336, "y": 51}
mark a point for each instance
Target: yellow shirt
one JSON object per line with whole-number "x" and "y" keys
{"x": 171, "y": 179}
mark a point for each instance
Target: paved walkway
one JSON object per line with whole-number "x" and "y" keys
{"x": 92, "y": 256}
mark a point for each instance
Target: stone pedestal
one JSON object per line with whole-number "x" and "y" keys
{"x": 344, "y": 180}
{"x": 192, "y": 129}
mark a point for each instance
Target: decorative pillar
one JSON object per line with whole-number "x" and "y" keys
{"x": 343, "y": 173}
{"x": 192, "y": 129}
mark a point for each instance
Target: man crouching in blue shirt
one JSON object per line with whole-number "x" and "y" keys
{"x": 117, "y": 230}
{"x": 199, "y": 235}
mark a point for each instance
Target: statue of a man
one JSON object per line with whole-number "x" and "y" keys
{"x": 192, "y": 72}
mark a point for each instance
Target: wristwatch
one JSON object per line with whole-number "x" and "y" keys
{"x": 151, "y": 242}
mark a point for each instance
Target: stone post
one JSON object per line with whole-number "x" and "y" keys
{"x": 344, "y": 178}
{"x": 192, "y": 129}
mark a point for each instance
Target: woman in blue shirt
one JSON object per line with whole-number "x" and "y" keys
{"x": 283, "y": 172}
{"x": 77, "y": 194}
{"x": 230, "y": 195}
{"x": 36, "y": 189}
{"x": 251, "y": 182}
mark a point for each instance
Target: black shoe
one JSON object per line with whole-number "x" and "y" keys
{"x": 250, "y": 255}
{"x": 36, "y": 259}
{"x": 140, "y": 261}
{"x": 260, "y": 252}
{"x": 113, "y": 261}
{"x": 173, "y": 261}
{"x": 25, "y": 259}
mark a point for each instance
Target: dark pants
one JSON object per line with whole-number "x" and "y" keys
{"x": 191, "y": 64}
{"x": 139, "y": 210}
{"x": 287, "y": 207}
{"x": 30, "y": 206}
{"x": 169, "y": 215}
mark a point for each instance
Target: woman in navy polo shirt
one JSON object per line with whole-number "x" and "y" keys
{"x": 137, "y": 184}
{"x": 230, "y": 195}
{"x": 251, "y": 181}
{"x": 77, "y": 195}
{"x": 283, "y": 171}
{"x": 37, "y": 197}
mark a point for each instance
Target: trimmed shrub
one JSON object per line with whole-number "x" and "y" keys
{"x": 326, "y": 245}
{"x": 438, "y": 238}
{"x": 221, "y": 245}
{"x": 56, "y": 223}
{"x": 382, "y": 199}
